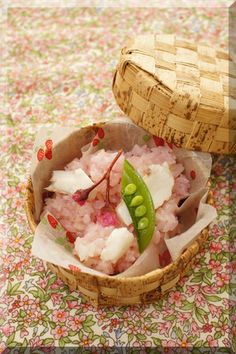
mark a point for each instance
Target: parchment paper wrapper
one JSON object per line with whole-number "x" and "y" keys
{"x": 50, "y": 241}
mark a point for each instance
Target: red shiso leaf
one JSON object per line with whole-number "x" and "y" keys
{"x": 95, "y": 142}
{"x": 165, "y": 258}
{"x": 48, "y": 144}
{"x": 193, "y": 174}
{"x": 158, "y": 141}
{"x": 101, "y": 133}
{"x": 53, "y": 222}
{"x": 48, "y": 154}
{"x": 71, "y": 236}
{"x": 40, "y": 154}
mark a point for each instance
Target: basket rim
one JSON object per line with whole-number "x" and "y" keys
{"x": 152, "y": 274}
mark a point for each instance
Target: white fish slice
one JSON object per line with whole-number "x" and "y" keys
{"x": 160, "y": 183}
{"x": 68, "y": 182}
{"x": 117, "y": 244}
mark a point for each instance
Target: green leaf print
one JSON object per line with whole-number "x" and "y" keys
{"x": 12, "y": 290}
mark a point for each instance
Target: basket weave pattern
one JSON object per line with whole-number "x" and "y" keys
{"x": 107, "y": 290}
{"x": 181, "y": 91}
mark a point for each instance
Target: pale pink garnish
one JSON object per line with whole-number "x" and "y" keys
{"x": 108, "y": 218}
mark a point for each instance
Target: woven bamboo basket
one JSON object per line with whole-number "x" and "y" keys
{"x": 104, "y": 290}
{"x": 182, "y": 91}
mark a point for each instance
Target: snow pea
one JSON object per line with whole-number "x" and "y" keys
{"x": 138, "y": 200}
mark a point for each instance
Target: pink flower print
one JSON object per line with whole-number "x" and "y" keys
{"x": 166, "y": 312}
{"x": 2, "y": 315}
{"x": 226, "y": 304}
{"x": 200, "y": 300}
{"x": 7, "y": 330}
{"x": 101, "y": 316}
{"x": 211, "y": 341}
{"x": 86, "y": 340}
{"x": 168, "y": 343}
{"x": 56, "y": 298}
{"x": 137, "y": 344}
{"x": 209, "y": 289}
{"x": 24, "y": 333}
{"x": 184, "y": 343}
{"x": 195, "y": 329}
{"x": 144, "y": 329}
{"x": 115, "y": 323}
{"x": 16, "y": 203}
{"x": 215, "y": 247}
{"x": 183, "y": 317}
{"x": 176, "y": 298}
{"x": 224, "y": 328}
{"x": 215, "y": 266}
{"x": 133, "y": 328}
{"x": 25, "y": 302}
{"x": 72, "y": 304}
{"x": 8, "y": 259}
{"x": 191, "y": 290}
{"x": 216, "y": 231}
{"x": 36, "y": 342}
{"x": 231, "y": 267}
{"x": 207, "y": 328}
{"x": 222, "y": 279}
{"x": 57, "y": 284}
{"x": 164, "y": 327}
{"x": 215, "y": 310}
{"x": 59, "y": 332}
{"x": 59, "y": 316}
{"x": 31, "y": 315}
{"x": 42, "y": 283}
{"x": 227, "y": 343}
{"x": 40, "y": 318}
{"x": 132, "y": 312}
{"x": 76, "y": 322}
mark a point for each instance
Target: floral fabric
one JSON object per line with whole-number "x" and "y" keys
{"x": 59, "y": 64}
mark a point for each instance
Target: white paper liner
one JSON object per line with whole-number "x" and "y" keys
{"x": 120, "y": 133}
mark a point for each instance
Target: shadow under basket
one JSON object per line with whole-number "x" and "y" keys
{"x": 105, "y": 290}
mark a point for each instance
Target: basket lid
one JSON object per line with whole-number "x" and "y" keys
{"x": 181, "y": 91}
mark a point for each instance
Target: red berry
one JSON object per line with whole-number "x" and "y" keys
{"x": 48, "y": 154}
{"x": 158, "y": 141}
{"x": 40, "y": 154}
{"x": 48, "y": 144}
{"x": 170, "y": 145}
{"x": 53, "y": 222}
{"x": 165, "y": 258}
{"x": 101, "y": 133}
{"x": 70, "y": 236}
{"x": 193, "y": 174}
{"x": 95, "y": 142}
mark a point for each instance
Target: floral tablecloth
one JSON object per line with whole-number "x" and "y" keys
{"x": 59, "y": 67}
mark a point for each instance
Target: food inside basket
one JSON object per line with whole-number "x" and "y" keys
{"x": 115, "y": 204}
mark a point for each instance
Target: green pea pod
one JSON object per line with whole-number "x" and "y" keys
{"x": 139, "y": 202}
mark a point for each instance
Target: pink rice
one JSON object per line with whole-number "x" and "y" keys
{"x": 93, "y": 223}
